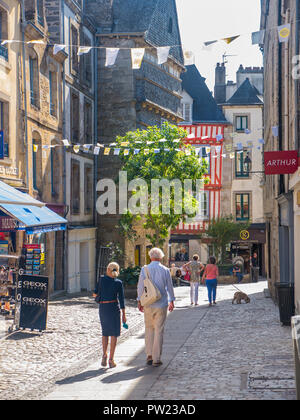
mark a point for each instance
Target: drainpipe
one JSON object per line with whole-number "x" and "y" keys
{"x": 286, "y": 96}
{"x": 66, "y": 235}
{"x": 23, "y": 24}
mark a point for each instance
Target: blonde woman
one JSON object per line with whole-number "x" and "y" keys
{"x": 110, "y": 296}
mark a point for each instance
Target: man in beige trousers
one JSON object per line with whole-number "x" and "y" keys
{"x": 156, "y": 314}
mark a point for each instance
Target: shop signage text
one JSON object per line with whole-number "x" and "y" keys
{"x": 8, "y": 224}
{"x": 280, "y": 163}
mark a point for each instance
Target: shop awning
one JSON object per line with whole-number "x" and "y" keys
{"x": 32, "y": 215}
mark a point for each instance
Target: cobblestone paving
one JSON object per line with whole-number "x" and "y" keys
{"x": 234, "y": 352}
{"x": 30, "y": 363}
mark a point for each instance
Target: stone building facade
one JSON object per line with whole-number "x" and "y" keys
{"x": 242, "y": 192}
{"x": 134, "y": 99}
{"x": 69, "y": 25}
{"x": 281, "y": 192}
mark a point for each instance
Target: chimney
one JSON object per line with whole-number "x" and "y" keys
{"x": 220, "y": 83}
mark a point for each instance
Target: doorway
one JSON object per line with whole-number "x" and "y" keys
{"x": 84, "y": 266}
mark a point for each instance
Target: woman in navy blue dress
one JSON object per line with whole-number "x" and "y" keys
{"x": 109, "y": 294}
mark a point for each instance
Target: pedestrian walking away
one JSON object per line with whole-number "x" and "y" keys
{"x": 210, "y": 275}
{"x": 195, "y": 267}
{"x": 155, "y": 314}
{"x": 254, "y": 268}
{"x": 109, "y": 294}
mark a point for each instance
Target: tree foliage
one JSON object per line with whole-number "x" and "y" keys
{"x": 159, "y": 158}
{"x": 222, "y": 231}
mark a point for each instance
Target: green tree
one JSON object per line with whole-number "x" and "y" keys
{"x": 159, "y": 154}
{"x": 222, "y": 231}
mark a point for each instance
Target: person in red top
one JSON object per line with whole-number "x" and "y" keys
{"x": 211, "y": 275}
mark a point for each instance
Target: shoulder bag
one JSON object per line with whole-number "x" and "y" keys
{"x": 151, "y": 294}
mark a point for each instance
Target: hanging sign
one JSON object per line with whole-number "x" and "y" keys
{"x": 280, "y": 163}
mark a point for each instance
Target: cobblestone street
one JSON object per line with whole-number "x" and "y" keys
{"x": 31, "y": 362}
{"x": 225, "y": 352}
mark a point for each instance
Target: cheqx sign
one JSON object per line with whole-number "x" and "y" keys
{"x": 280, "y": 163}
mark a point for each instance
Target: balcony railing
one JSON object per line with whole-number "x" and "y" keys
{"x": 4, "y": 52}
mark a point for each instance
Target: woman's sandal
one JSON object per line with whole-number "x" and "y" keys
{"x": 111, "y": 363}
{"x": 104, "y": 361}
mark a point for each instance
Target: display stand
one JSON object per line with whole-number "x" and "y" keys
{"x": 9, "y": 271}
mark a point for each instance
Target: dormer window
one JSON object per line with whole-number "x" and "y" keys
{"x": 187, "y": 112}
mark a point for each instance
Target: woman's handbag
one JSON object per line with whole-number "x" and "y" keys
{"x": 151, "y": 294}
{"x": 187, "y": 276}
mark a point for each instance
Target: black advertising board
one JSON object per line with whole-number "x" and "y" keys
{"x": 33, "y": 300}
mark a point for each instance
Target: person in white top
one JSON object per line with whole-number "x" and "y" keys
{"x": 156, "y": 314}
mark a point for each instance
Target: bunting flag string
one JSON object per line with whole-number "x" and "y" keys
{"x": 137, "y": 54}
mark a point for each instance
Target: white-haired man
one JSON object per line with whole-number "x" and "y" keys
{"x": 156, "y": 314}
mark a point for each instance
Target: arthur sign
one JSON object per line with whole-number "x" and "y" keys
{"x": 280, "y": 163}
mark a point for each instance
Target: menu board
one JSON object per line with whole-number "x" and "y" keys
{"x": 33, "y": 300}
{"x": 33, "y": 259}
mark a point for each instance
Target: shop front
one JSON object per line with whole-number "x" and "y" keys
{"x": 24, "y": 226}
{"x": 253, "y": 242}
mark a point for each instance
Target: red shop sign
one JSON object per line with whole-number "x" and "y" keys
{"x": 280, "y": 163}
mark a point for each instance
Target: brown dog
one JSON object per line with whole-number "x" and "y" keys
{"x": 239, "y": 296}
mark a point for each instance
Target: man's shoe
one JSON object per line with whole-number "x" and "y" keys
{"x": 156, "y": 364}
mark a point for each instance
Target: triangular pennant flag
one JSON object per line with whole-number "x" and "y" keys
{"x": 275, "y": 131}
{"x": 207, "y": 150}
{"x": 137, "y": 55}
{"x": 57, "y": 48}
{"x": 117, "y": 152}
{"x": 224, "y": 155}
{"x": 35, "y": 147}
{"x": 230, "y": 39}
{"x": 96, "y": 150}
{"x": 136, "y": 151}
{"x": 36, "y": 41}
{"x": 156, "y": 150}
{"x": 219, "y": 137}
{"x": 191, "y": 136}
{"x": 261, "y": 141}
{"x": 83, "y": 50}
{"x": 228, "y": 147}
{"x": 207, "y": 46}
{"x": 218, "y": 149}
{"x": 239, "y": 146}
{"x": 86, "y": 147}
{"x": 204, "y": 137}
{"x": 247, "y": 131}
{"x": 258, "y": 37}
{"x": 284, "y": 32}
{"x": 189, "y": 58}
{"x": 66, "y": 142}
{"x": 231, "y": 155}
{"x": 162, "y": 54}
{"x": 146, "y": 151}
{"x": 124, "y": 143}
{"x": 111, "y": 56}
{"x": 76, "y": 148}
{"x": 126, "y": 152}
{"x": 188, "y": 152}
{"x": 163, "y": 140}
{"x": 107, "y": 151}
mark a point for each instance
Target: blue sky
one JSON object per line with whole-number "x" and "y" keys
{"x": 206, "y": 20}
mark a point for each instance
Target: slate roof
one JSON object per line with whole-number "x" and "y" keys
{"x": 205, "y": 108}
{"x": 149, "y": 17}
{"x": 247, "y": 94}
{"x": 132, "y": 15}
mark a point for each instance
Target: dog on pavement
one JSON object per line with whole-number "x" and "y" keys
{"x": 239, "y": 296}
